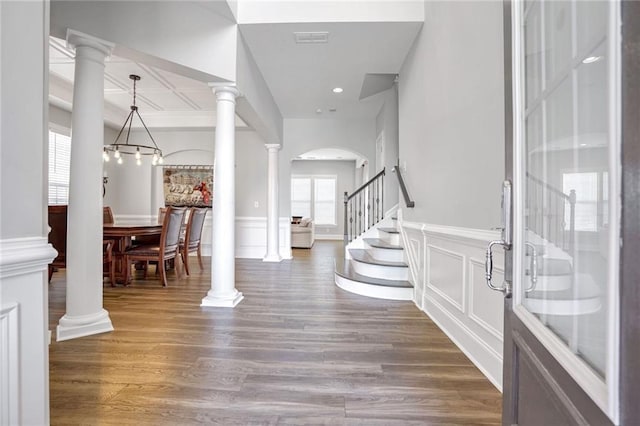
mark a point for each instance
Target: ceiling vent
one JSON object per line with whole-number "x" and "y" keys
{"x": 318, "y": 37}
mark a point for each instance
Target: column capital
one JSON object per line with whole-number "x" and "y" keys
{"x": 272, "y": 146}
{"x": 76, "y": 39}
{"x": 227, "y": 91}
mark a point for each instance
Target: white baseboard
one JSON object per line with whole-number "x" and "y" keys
{"x": 332, "y": 237}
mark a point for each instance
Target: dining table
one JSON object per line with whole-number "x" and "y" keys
{"x": 124, "y": 234}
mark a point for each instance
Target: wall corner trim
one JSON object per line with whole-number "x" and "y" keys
{"x": 19, "y": 256}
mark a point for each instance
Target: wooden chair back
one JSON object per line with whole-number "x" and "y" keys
{"x": 107, "y": 215}
{"x": 58, "y": 236}
{"x": 161, "y": 212}
{"x": 193, "y": 234}
{"x": 108, "y": 264}
{"x": 170, "y": 237}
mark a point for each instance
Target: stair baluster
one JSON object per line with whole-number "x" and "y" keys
{"x": 548, "y": 218}
{"x": 363, "y": 208}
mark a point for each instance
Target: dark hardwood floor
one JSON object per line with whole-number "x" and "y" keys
{"x": 297, "y": 350}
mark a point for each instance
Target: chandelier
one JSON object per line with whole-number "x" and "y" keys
{"x": 118, "y": 149}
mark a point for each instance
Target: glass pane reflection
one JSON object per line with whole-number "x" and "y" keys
{"x": 566, "y": 250}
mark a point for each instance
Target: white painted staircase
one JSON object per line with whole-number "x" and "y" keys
{"x": 558, "y": 290}
{"x": 374, "y": 264}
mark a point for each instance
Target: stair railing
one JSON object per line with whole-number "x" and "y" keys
{"x": 548, "y": 217}
{"x": 408, "y": 201}
{"x": 363, "y": 208}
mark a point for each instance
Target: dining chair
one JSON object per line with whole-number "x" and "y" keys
{"x": 167, "y": 249}
{"x": 108, "y": 264}
{"x": 58, "y": 237}
{"x": 107, "y": 215}
{"x": 193, "y": 237}
{"x": 161, "y": 212}
{"x": 151, "y": 239}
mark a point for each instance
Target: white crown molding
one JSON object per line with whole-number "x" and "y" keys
{"x": 21, "y": 256}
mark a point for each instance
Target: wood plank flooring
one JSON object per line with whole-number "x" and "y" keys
{"x": 297, "y": 350}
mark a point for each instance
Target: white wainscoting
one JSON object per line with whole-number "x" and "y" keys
{"x": 9, "y": 364}
{"x": 251, "y": 235}
{"x": 447, "y": 270}
{"x": 24, "y": 337}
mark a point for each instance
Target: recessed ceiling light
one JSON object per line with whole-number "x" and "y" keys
{"x": 591, "y": 59}
{"x": 337, "y": 90}
{"x": 318, "y": 111}
{"x": 583, "y": 144}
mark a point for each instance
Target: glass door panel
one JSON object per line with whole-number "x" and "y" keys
{"x": 556, "y": 31}
{"x": 533, "y": 54}
{"x": 564, "y": 249}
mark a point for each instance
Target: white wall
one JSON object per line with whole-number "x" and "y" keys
{"x": 302, "y": 135}
{"x": 255, "y": 12}
{"x": 387, "y": 123}
{"x": 452, "y": 115}
{"x": 251, "y": 174}
{"x": 345, "y": 174}
{"x": 60, "y": 120}
{"x": 256, "y": 106}
{"x": 24, "y": 251}
{"x": 451, "y": 130}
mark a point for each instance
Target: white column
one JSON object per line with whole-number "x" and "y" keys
{"x": 223, "y": 291}
{"x": 273, "y": 219}
{"x": 85, "y": 315}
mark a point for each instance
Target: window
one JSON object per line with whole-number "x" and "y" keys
{"x": 301, "y": 197}
{"x": 324, "y": 201}
{"x": 59, "y": 164}
{"x": 586, "y": 187}
{"x": 314, "y": 197}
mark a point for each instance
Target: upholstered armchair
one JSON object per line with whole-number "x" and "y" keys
{"x": 302, "y": 233}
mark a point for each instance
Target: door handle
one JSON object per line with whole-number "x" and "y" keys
{"x": 533, "y": 267}
{"x": 488, "y": 269}
{"x": 505, "y": 242}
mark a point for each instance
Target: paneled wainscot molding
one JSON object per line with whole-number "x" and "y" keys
{"x": 449, "y": 287}
{"x": 24, "y": 373}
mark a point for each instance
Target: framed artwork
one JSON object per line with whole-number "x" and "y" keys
{"x": 188, "y": 186}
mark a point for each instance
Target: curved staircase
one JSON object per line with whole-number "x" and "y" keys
{"x": 375, "y": 266}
